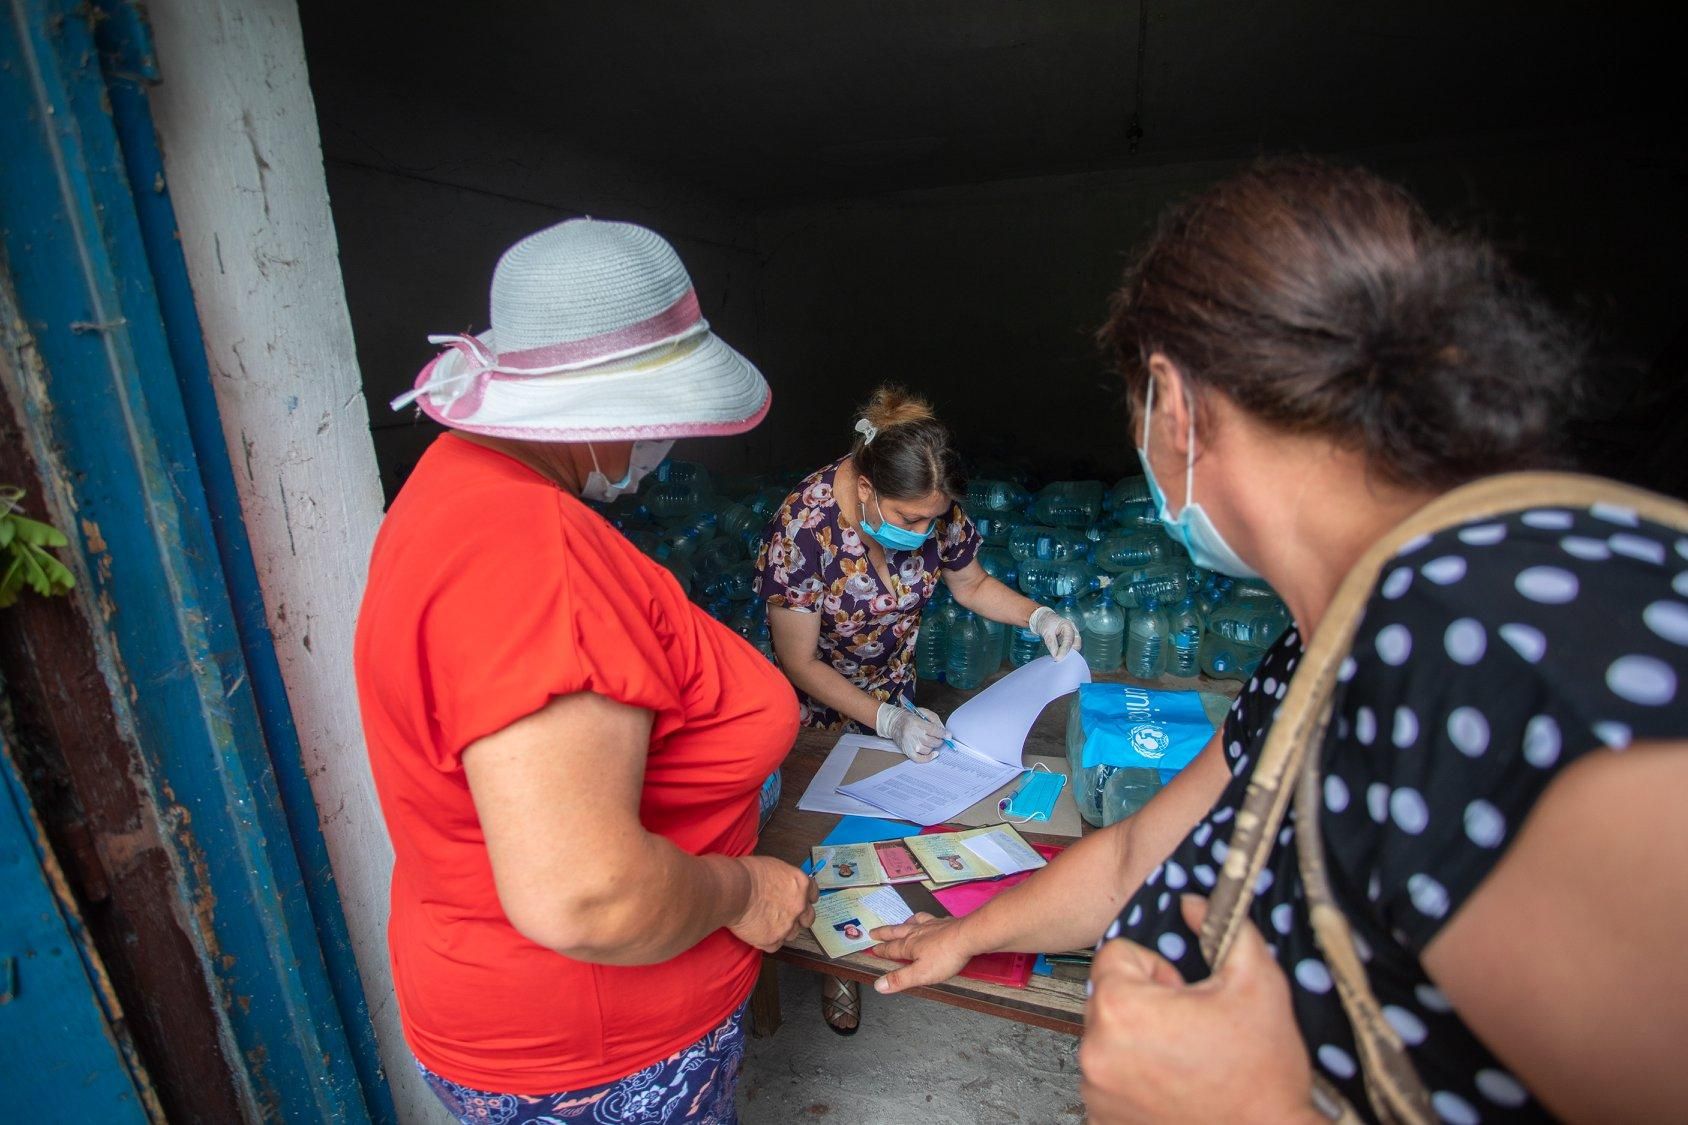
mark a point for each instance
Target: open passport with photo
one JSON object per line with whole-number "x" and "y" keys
{"x": 864, "y": 865}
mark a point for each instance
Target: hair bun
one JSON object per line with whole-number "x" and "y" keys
{"x": 893, "y": 406}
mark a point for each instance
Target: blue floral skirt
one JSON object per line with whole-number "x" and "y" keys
{"x": 696, "y": 1085}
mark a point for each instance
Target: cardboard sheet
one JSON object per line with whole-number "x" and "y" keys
{"x": 1064, "y": 821}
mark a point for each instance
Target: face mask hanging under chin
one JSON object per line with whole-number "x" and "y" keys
{"x": 1192, "y": 528}
{"x": 643, "y": 460}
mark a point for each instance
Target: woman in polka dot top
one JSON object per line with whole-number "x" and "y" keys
{"x": 1508, "y": 752}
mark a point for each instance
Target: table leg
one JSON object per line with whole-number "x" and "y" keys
{"x": 765, "y": 1001}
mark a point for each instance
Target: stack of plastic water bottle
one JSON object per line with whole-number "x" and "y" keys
{"x": 1097, "y": 556}
{"x": 1102, "y": 559}
{"x": 687, "y": 522}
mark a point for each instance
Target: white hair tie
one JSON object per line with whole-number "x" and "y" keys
{"x": 868, "y": 431}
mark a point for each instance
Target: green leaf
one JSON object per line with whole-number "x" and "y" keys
{"x": 33, "y": 573}
{"x": 11, "y": 583}
{"x": 63, "y": 581}
{"x": 38, "y": 533}
{"x": 7, "y": 532}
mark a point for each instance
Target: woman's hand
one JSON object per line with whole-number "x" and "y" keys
{"x": 781, "y": 903}
{"x": 1059, "y": 635}
{"x": 917, "y": 734}
{"x": 1227, "y": 1049}
{"x": 932, "y": 944}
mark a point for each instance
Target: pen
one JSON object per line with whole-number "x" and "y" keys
{"x": 950, "y": 742}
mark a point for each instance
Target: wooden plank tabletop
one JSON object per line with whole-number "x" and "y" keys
{"x": 1045, "y": 1001}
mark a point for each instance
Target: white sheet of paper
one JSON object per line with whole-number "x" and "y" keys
{"x": 888, "y": 904}
{"x": 997, "y": 720}
{"x": 931, "y": 792}
{"x": 991, "y": 848}
{"x": 823, "y": 796}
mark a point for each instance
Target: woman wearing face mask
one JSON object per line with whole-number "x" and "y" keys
{"x": 846, "y": 566}
{"x": 1311, "y": 362}
{"x": 567, "y": 751}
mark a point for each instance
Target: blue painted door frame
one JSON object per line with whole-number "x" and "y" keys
{"x": 60, "y": 1050}
{"x": 111, "y": 380}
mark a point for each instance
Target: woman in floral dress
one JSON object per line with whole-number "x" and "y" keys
{"x": 846, "y": 566}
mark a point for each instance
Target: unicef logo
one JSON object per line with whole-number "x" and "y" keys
{"x": 1149, "y": 741}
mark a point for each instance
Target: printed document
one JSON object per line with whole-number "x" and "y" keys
{"x": 989, "y": 739}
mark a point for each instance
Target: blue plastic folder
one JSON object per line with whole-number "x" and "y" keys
{"x": 1141, "y": 728}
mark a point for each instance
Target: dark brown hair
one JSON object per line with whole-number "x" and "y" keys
{"x": 911, "y": 455}
{"x": 1322, "y": 300}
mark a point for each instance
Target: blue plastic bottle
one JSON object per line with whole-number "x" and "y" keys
{"x": 1224, "y": 659}
{"x": 931, "y": 644}
{"x": 1252, "y": 622}
{"x": 1000, "y": 565}
{"x": 1163, "y": 581}
{"x": 736, "y": 583}
{"x": 1146, "y": 641}
{"x": 717, "y": 555}
{"x": 1025, "y": 540}
{"x": 1185, "y": 656}
{"x": 1127, "y": 790}
{"x": 672, "y": 503}
{"x": 683, "y": 472}
{"x": 995, "y": 496}
{"x": 1129, "y": 490}
{"x": 1049, "y": 581}
{"x": 1069, "y": 503}
{"x": 735, "y": 521}
{"x": 971, "y": 649}
{"x": 1104, "y": 634}
{"x": 1025, "y": 647}
{"x": 1121, "y": 554}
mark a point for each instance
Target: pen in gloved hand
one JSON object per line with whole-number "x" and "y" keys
{"x": 907, "y": 706}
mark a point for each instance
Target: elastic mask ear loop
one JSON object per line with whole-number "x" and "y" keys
{"x": 1002, "y": 805}
{"x": 1190, "y": 462}
{"x": 594, "y": 454}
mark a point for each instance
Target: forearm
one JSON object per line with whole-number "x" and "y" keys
{"x": 825, "y": 684}
{"x": 1070, "y": 903}
{"x": 1064, "y": 906}
{"x": 658, "y": 902}
{"x": 990, "y": 598}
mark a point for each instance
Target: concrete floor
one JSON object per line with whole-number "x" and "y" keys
{"x": 914, "y": 1062}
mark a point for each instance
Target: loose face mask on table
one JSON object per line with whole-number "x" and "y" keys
{"x": 891, "y": 536}
{"x": 644, "y": 459}
{"x": 1193, "y": 528}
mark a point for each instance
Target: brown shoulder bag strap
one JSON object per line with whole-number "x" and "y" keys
{"x": 1289, "y": 769}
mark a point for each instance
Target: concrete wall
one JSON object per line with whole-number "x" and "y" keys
{"x": 239, "y": 136}
{"x": 985, "y": 296}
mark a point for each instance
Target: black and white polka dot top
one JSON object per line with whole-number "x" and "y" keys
{"x": 1490, "y": 657}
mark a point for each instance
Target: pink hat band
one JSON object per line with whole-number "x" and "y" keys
{"x": 481, "y": 365}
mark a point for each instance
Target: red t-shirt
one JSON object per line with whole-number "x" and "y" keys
{"x": 490, "y": 592}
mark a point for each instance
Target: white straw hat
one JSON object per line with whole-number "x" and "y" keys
{"x": 596, "y": 336}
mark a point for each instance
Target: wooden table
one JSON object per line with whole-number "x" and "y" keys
{"x": 1048, "y": 1002}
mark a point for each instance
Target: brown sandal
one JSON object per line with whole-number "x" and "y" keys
{"x": 841, "y": 1004}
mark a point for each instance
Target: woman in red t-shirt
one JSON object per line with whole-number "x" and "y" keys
{"x": 568, "y": 752}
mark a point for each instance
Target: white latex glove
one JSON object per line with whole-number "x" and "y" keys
{"x": 917, "y": 734}
{"x": 1057, "y": 632}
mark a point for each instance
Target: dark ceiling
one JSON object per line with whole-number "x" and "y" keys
{"x": 770, "y": 101}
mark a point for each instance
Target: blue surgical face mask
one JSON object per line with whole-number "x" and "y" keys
{"x": 1192, "y": 528}
{"x": 892, "y": 537}
{"x": 1035, "y": 799}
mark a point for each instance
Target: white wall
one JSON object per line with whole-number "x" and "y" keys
{"x": 239, "y": 135}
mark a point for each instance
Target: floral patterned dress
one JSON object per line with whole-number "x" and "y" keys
{"x": 812, "y": 562}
